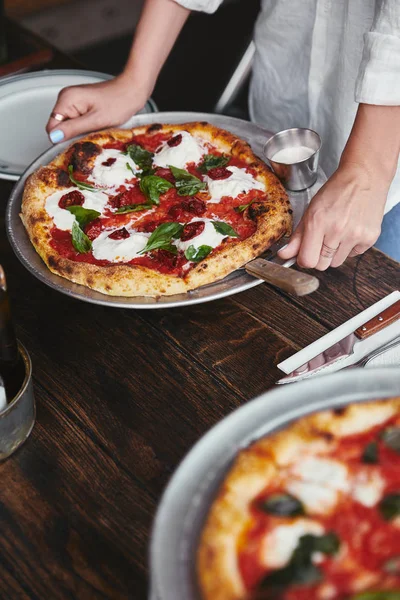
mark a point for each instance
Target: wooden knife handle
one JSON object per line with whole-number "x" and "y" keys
{"x": 385, "y": 318}
{"x": 287, "y": 279}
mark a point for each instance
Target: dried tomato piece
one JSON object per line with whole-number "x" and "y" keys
{"x": 219, "y": 173}
{"x": 120, "y": 234}
{"x": 94, "y": 228}
{"x": 132, "y": 196}
{"x": 194, "y": 206}
{"x": 110, "y": 161}
{"x": 165, "y": 174}
{"x": 192, "y": 230}
{"x": 150, "y": 226}
{"x": 175, "y": 141}
{"x": 175, "y": 211}
{"x": 74, "y": 198}
{"x": 166, "y": 259}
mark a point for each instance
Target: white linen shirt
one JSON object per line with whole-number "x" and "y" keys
{"x": 316, "y": 60}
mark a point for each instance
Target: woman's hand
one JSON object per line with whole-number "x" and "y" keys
{"x": 95, "y": 106}
{"x": 342, "y": 220}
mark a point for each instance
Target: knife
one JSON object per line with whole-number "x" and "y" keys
{"x": 344, "y": 347}
{"x": 292, "y": 281}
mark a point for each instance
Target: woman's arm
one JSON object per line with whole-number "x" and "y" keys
{"x": 344, "y": 218}
{"x": 95, "y": 106}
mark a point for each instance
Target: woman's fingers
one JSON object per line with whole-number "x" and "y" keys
{"x": 311, "y": 246}
{"x": 293, "y": 246}
{"x": 71, "y": 103}
{"x": 76, "y": 126}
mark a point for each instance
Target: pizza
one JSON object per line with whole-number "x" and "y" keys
{"x": 311, "y": 512}
{"x": 160, "y": 209}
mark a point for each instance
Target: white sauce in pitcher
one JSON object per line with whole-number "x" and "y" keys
{"x": 288, "y": 156}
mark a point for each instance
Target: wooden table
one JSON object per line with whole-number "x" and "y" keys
{"x": 121, "y": 396}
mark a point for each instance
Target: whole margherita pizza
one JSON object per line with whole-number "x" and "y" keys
{"x": 310, "y": 513}
{"x": 154, "y": 210}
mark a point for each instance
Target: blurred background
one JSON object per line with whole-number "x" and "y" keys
{"x": 98, "y": 34}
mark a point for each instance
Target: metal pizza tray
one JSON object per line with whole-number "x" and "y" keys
{"x": 188, "y": 496}
{"x": 232, "y": 284}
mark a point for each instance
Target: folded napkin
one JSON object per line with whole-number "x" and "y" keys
{"x": 361, "y": 349}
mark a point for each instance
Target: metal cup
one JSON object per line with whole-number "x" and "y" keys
{"x": 18, "y": 416}
{"x": 299, "y": 175}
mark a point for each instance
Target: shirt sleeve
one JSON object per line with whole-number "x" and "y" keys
{"x": 378, "y": 80}
{"x": 208, "y": 6}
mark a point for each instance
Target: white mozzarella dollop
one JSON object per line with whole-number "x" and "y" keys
{"x": 367, "y": 487}
{"x": 240, "y": 182}
{"x": 208, "y": 237}
{"x": 316, "y": 498}
{"x": 323, "y": 471}
{"x": 189, "y": 150}
{"x": 114, "y": 175}
{"x": 62, "y": 218}
{"x": 124, "y": 250}
{"x": 279, "y": 544}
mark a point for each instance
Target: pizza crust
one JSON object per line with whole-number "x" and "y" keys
{"x": 273, "y": 219}
{"x": 254, "y": 469}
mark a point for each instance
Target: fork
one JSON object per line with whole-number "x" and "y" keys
{"x": 366, "y": 359}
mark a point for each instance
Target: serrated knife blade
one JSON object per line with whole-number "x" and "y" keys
{"x": 345, "y": 347}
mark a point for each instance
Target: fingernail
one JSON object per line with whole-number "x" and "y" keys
{"x": 56, "y": 136}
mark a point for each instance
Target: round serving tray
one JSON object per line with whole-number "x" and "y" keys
{"x": 187, "y": 498}
{"x": 234, "y": 283}
{"x": 25, "y": 104}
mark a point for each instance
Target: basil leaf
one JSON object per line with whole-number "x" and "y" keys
{"x": 306, "y": 574}
{"x": 224, "y": 228}
{"x": 153, "y": 186}
{"x": 389, "y": 506}
{"x": 80, "y": 240}
{"x": 282, "y": 505}
{"x": 186, "y": 184}
{"x": 211, "y": 161}
{"x": 80, "y": 184}
{"x": 328, "y": 543}
{"x": 370, "y": 454}
{"x": 300, "y": 569}
{"x": 197, "y": 254}
{"x": 379, "y": 595}
{"x": 391, "y": 438}
{"x": 132, "y": 208}
{"x": 162, "y": 236}
{"x": 242, "y": 207}
{"x": 143, "y": 158}
{"x": 83, "y": 215}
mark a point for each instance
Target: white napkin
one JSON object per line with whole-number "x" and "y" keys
{"x": 361, "y": 349}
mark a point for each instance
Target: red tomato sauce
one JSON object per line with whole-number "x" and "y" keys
{"x": 163, "y": 262}
{"x": 151, "y": 142}
{"x": 225, "y": 209}
{"x": 367, "y": 539}
{"x": 62, "y": 244}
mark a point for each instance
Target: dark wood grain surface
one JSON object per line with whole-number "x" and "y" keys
{"x": 121, "y": 397}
